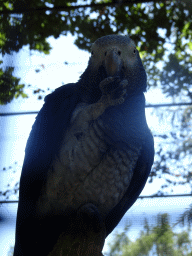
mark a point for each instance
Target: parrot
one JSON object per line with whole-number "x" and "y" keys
{"x": 88, "y": 155}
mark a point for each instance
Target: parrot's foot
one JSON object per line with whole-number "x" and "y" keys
{"x": 113, "y": 90}
{"x": 89, "y": 214}
{"x": 92, "y": 229}
{"x": 84, "y": 237}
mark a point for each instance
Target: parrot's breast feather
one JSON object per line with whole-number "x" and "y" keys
{"x": 90, "y": 167}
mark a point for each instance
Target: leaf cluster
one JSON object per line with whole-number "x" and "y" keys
{"x": 9, "y": 86}
{"x": 155, "y": 240}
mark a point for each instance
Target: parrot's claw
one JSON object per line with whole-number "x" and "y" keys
{"x": 114, "y": 90}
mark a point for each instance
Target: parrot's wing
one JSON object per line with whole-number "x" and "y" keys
{"x": 43, "y": 143}
{"x": 141, "y": 173}
{"x": 50, "y": 124}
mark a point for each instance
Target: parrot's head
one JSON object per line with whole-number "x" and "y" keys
{"x": 115, "y": 55}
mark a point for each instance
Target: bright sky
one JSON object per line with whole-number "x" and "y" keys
{"x": 14, "y": 130}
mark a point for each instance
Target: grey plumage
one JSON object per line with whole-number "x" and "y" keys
{"x": 97, "y": 148}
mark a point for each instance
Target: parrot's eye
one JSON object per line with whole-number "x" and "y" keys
{"x": 119, "y": 53}
{"x": 134, "y": 51}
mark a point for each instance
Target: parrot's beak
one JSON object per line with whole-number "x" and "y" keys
{"x": 113, "y": 62}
